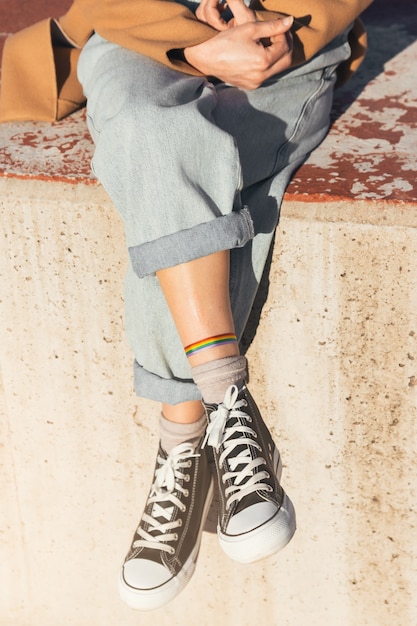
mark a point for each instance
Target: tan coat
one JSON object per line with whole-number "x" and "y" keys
{"x": 39, "y": 79}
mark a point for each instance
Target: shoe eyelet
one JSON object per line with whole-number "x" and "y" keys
{"x": 189, "y": 464}
{"x": 172, "y": 551}
{"x": 179, "y": 522}
{"x": 186, "y": 493}
{"x": 176, "y": 537}
{"x": 183, "y": 508}
{"x": 187, "y": 478}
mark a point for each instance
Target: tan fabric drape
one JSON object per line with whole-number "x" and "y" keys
{"x": 39, "y": 66}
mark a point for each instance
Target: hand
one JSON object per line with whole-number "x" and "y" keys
{"x": 210, "y": 12}
{"x": 247, "y": 54}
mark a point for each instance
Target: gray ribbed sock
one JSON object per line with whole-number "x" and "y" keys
{"x": 215, "y": 377}
{"x": 173, "y": 433}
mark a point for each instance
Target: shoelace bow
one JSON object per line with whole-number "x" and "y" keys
{"x": 164, "y": 498}
{"x": 227, "y": 427}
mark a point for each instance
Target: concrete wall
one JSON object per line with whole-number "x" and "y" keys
{"x": 333, "y": 365}
{"x": 338, "y": 384}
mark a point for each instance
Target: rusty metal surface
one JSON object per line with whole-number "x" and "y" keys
{"x": 60, "y": 151}
{"x": 368, "y": 154}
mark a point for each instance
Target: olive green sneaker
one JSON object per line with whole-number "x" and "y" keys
{"x": 256, "y": 517}
{"x": 165, "y": 546}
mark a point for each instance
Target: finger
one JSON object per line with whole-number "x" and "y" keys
{"x": 271, "y": 28}
{"x": 288, "y": 36}
{"x": 288, "y": 40}
{"x": 208, "y": 11}
{"x": 278, "y": 58}
{"x": 214, "y": 19}
{"x": 241, "y": 13}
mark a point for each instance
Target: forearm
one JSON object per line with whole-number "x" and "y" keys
{"x": 158, "y": 27}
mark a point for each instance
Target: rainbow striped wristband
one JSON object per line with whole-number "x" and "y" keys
{"x": 210, "y": 342}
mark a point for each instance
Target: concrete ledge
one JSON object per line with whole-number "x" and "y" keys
{"x": 338, "y": 382}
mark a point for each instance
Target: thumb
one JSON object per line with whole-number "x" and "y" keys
{"x": 275, "y": 27}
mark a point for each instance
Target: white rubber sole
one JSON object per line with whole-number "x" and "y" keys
{"x": 150, "y": 599}
{"x": 263, "y": 541}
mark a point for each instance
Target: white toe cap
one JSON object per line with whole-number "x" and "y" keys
{"x": 251, "y": 518}
{"x": 144, "y": 574}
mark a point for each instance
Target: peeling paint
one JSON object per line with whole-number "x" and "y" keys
{"x": 369, "y": 153}
{"x": 60, "y": 151}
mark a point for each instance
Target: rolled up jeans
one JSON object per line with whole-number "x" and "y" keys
{"x": 195, "y": 166}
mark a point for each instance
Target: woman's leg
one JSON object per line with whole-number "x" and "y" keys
{"x": 177, "y": 181}
{"x": 179, "y": 157}
{"x": 198, "y": 297}
{"x": 256, "y": 517}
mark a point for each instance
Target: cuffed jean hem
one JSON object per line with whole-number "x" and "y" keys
{"x": 223, "y": 233}
{"x": 169, "y": 390}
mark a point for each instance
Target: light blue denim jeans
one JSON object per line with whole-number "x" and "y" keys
{"x": 194, "y": 167}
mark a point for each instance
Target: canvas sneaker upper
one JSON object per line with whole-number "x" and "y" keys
{"x": 165, "y": 545}
{"x": 256, "y": 517}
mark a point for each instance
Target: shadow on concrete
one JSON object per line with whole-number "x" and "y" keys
{"x": 391, "y": 28}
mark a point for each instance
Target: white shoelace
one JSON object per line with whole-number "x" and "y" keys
{"x": 164, "y": 490}
{"x": 234, "y": 435}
